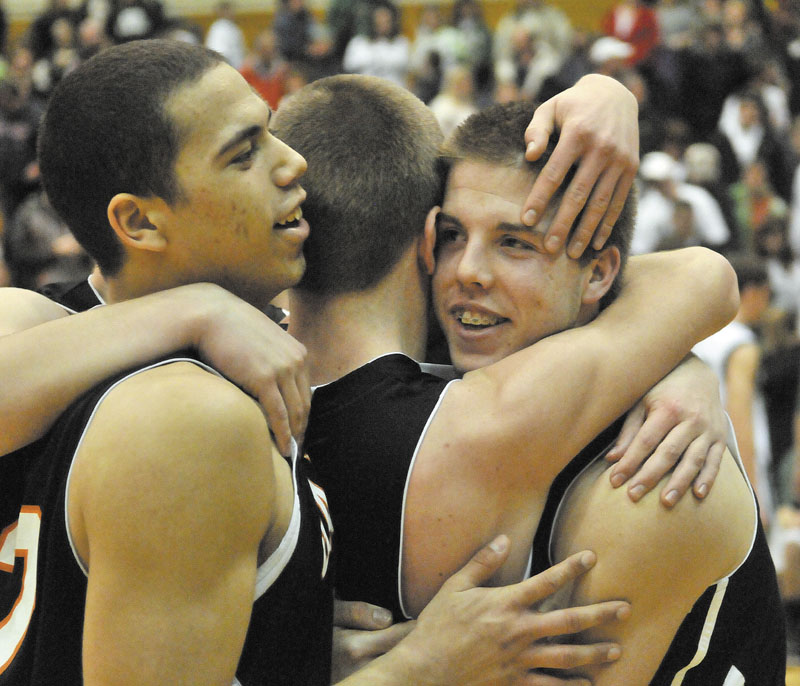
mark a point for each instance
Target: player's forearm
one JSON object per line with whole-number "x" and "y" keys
{"x": 44, "y": 368}
{"x": 682, "y": 296}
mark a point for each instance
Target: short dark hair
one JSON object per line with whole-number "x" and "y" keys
{"x": 496, "y": 136}
{"x": 106, "y": 131}
{"x": 372, "y": 177}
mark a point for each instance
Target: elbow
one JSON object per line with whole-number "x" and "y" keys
{"x": 719, "y": 286}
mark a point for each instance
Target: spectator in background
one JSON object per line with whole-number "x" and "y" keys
{"x": 92, "y": 38}
{"x": 476, "y": 37}
{"x": 746, "y": 135}
{"x": 456, "y": 101}
{"x": 783, "y": 270}
{"x": 20, "y": 111}
{"x": 264, "y": 70}
{"x": 134, "y": 19}
{"x": 225, "y": 36}
{"x": 39, "y": 247}
{"x": 301, "y": 40}
{"x": 652, "y": 120}
{"x": 62, "y": 58}
{"x": 661, "y": 189}
{"x": 709, "y": 70}
{"x": 576, "y": 65}
{"x": 542, "y": 21}
{"x": 755, "y": 202}
{"x": 429, "y": 53}
{"x": 384, "y": 51}
{"x": 40, "y": 36}
{"x": 610, "y": 56}
{"x": 634, "y": 22}
{"x": 702, "y": 167}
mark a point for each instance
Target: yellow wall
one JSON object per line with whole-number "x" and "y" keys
{"x": 583, "y": 13}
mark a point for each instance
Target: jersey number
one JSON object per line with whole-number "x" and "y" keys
{"x": 21, "y": 539}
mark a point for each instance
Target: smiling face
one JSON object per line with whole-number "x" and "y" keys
{"x": 238, "y": 221}
{"x": 495, "y": 289}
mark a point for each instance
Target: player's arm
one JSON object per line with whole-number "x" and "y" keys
{"x": 47, "y": 359}
{"x": 527, "y": 415}
{"x": 643, "y": 570}
{"x": 504, "y": 432}
{"x": 172, "y": 491}
{"x": 598, "y": 128}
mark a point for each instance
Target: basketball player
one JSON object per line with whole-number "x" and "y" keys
{"x": 156, "y": 534}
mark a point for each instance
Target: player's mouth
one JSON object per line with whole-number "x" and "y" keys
{"x": 476, "y": 320}
{"x": 292, "y": 227}
{"x": 291, "y": 220}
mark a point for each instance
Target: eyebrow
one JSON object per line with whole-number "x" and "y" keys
{"x": 241, "y": 136}
{"x": 502, "y": 226}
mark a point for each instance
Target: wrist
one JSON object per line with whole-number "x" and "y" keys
{"x": 193, "y": 309}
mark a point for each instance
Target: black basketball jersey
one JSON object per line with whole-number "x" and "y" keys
{"x": 76, "y": 296}
{"x": 363, "y": 433}
{"x": 734, "y": 634}
{"x": 43, "y": 583}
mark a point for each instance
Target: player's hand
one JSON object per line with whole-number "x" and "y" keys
{"x": 680, "y": 423}
{"x": 362, "y": 632}
{"x": 599, "y": 128}
{"x": 251, "y": 350}
{"x": 471, "y": 636}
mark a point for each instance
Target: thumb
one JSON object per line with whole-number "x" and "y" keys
{"x": 482, "y": 565}
{"x": 539, "y": 130}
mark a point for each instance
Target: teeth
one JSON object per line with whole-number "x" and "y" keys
{"x": 477, "y": 318}
{"x": 293, "y": 217}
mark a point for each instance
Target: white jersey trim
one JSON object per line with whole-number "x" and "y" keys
{"x": 81, "y": 563}
{"x": 405, "y": 495}
{"x": 721, "y": 584}
{"x": 272, "y": 567}
{"x": 706, "y": 633}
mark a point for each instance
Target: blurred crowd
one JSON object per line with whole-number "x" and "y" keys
{"x": 718, "y": 86}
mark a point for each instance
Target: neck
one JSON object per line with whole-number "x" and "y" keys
{"x": 344, "y": 332}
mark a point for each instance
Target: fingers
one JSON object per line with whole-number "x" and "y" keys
{"x": 649, "y": 436}
{"x": 538, "y": 133}
{"x": 603, "y": 209}
{"x": 566, "y": 656}
{"x": 573, "y": 620}
{"x": 630, "y": 427}
{"x": 481, "y": 567}
{"x": 354, "y": 614}
{"x": 546, "y": 183}
{"x": 708, "y": 474}
{"x": 274, "y": 407}
{"x": 379, "y": 642}
{"x": 548, "y": 582}
{"x": 687, "y": 469}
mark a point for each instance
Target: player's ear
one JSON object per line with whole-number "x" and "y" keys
{"x": 427, "y": 245}
{"x": 137, "y": 221}
{"x": 602, "y": 273}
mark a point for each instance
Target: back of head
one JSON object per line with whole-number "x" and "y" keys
{"x": 106, "y": 131}
{"x": 496, "y": 136}
{"x": 372, "y": 177}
